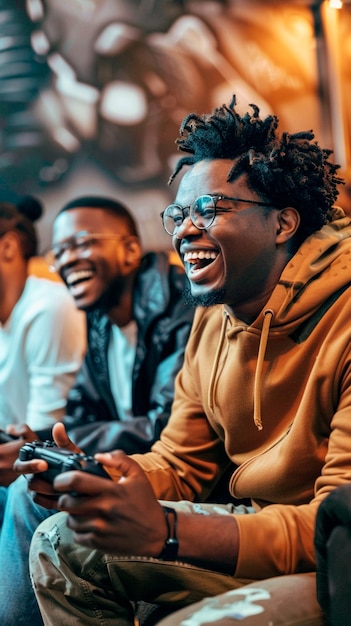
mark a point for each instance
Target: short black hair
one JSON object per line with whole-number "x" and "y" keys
{"x": 283, "y": 169}
{"x": 18, "y": 213}
{"x": 108, "y": 204}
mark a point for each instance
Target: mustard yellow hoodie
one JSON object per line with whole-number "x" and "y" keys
{"x": 275, "y": 399}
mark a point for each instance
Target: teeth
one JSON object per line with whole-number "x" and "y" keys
{"x": 199, "y": 255}
{"x": 76, "y": 276}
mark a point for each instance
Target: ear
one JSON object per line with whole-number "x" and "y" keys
{"x": 288, "y": 222}
{"x": 9, "y": 246}
{"x": 133, "y": 252}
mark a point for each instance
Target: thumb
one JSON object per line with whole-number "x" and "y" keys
{"x": 23, "y": 431}
{"x": 61, "y": 438}
{"x": 117, "y": 463}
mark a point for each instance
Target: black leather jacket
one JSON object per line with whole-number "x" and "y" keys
{"x": 164, "y": 322}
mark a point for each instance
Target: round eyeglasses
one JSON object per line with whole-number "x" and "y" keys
{"x": 78, "y": 242}
{"x": 202, "y": 212}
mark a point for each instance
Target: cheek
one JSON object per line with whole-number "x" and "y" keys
{"x": 245, "y": 250}
{"x": 234, "y": 248}
{"x": 248, "y": 236}
{"x": 176, "y": 247}
{"x": 106, "y": 271}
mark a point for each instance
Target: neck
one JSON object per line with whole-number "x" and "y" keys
{"x": 122, "y": 313}
{"x": 249, "y": 309}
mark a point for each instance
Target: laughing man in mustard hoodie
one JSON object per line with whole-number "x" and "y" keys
{"x": 265, "y": 388}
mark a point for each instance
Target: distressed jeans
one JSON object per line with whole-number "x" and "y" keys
{"x": 83, "y": 587}
{"x": 19, "y": 517}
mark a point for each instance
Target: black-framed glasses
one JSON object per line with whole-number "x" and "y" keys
{"x": 202, "y": 212}
{"x": 80, "y": 242}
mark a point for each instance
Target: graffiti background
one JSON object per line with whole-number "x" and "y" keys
{"x": 92, "y": 92}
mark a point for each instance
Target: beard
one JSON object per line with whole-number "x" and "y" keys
{"x": 109, "y": 298}
{"x": 206, "y": 300}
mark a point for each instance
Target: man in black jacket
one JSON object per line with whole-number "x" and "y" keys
{"x": 163, "y": 322}
{"x": 138, "y": 325}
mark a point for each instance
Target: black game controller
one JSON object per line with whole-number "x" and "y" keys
{"x": 60, "y": 460}
{"x": 6, "y": 437}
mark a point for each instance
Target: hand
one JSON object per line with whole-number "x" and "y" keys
{"x": 9, "y": 452}
{"x": 121, "y": 517}
{"x": 43, "y": 492}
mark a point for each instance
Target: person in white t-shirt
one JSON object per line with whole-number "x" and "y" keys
{"x": 42, "y": 334}
{"x": 137, "y": 328}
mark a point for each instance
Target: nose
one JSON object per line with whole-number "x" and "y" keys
{"x": 186, "y": 229}
{"x": 67, "y": 256}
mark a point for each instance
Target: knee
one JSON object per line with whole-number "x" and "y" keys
{"x": 45, "y": 545}
{"x": 280, "y": 600}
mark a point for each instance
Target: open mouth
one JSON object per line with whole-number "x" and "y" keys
{"x": 200, "y": 259}
{"x": 79, "y": 276}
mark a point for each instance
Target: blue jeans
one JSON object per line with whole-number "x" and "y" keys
{"x": 19, "y": 517}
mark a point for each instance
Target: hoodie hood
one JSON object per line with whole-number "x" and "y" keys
{"x": 319, "y": 269}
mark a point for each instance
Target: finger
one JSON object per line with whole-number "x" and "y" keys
{"x": 88, "y": 507}
{"x": 22, "y": 431}
{"x": 30, "y": 467}
{"x": 120, "y": 464}
{"x": 41, "y": 486}
{"x": 12, "y": 447}
{"x": 93, "y": 541}
{"x": 62, "y": 439}
{"x": 48, "y": 502}
{"x": 95, "y": 525}
{"x": 82, "y": 483}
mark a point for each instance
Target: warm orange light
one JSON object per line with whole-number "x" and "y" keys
{"x": 335, "y": 4}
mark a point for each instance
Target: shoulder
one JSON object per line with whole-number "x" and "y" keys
{"x": 47, "y": 293}
{"x": 49, "y": 300}
{"x": 205, "y": 332}
{"x": 207, "y": 324}
{"x": 208, "y": 317}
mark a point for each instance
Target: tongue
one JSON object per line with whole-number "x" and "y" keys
{"x": 78, "y": 288}
{"x": 200, "y": 263}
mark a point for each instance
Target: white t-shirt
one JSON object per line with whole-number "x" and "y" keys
{"x": 121, "y": 357}
{"x": 42, "y": 345}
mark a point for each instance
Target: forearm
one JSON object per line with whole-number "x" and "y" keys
{"x": 208, "y": 540}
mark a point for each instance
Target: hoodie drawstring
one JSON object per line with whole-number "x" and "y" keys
{"x": 216, "y": 360}
{"x": 268, "y": 316}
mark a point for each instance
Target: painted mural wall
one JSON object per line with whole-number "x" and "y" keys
{"x": 92, "y": 92}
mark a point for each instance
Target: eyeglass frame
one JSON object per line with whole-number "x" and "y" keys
{"x": 71, "y": 243}
{"x": 215, "y": 198}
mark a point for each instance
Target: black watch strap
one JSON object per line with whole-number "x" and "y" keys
{"x": 170, "y": 548}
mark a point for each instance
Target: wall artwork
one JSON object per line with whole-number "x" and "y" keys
{"x": 92, "y": 92}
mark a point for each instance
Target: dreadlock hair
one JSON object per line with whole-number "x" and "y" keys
{"x": 285, "y": 170}
{"x": 107, "y": 204}
{"x": 18, "y": 214}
